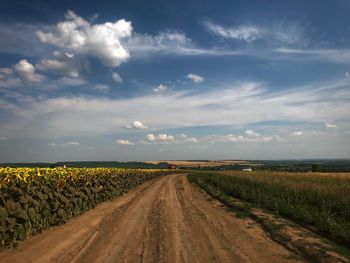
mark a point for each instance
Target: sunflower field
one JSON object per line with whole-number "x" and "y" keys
{"x": 31, "y": 199}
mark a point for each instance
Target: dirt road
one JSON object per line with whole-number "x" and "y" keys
{"x": 164, "y": 220}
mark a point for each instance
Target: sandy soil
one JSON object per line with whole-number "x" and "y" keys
{"x": 164, "y": 220}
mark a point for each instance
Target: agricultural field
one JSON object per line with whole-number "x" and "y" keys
{"x": 32, "y": 199}
{"x": 319, "y": 201}
{"x": 109, "y": 214}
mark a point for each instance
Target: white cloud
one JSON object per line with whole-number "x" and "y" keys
{"x": 69, "y": 55}
{"x": 166, "y": 138}
{"x": 174, "y": 44}
{"x": 195, "y": 78}
{"x": 116, "y": 77}
{"x": 273, "y": 34}
{"x": 252, "y": 133}
{"x": 58, "y": 66}
{"x": 246, "y": 33}
{"x": 150, "y": 137}
{"x": 3, "y": 139}
{"x": 63, "y": 64}
{"x": 163, "y": 137}
{"x": 168, "y": 42}
{"x": 124, "y": 142}
{"x": 137, "y": 125}
{"x": 347, "y": 74}
{"x": 236, "y": 105}
{"x": 160, "y": 88}
{"x": 78, "y": 36}
{"x": 233, "y": 138}
{"x": 26, "y": 71}
{"x": 330, "y": 126}
{"x": 297, "y": 133}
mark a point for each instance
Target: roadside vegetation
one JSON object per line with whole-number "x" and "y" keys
{"x": 320, "y": 202}
{"x": 32, "y": 199}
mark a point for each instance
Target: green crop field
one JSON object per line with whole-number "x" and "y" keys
{"x": 319, "y": 201}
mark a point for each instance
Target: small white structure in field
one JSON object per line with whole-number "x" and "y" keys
{"x": 247, "y": 169}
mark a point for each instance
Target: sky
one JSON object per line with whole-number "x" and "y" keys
{"x": 157, "y": 80}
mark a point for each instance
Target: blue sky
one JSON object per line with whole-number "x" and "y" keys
{"x": 146, "y": 80}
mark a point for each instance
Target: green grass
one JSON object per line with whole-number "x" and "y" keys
{"x": 319, "y": 201}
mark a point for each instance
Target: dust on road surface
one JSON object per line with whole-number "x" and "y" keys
{"x": 164, "y": 220}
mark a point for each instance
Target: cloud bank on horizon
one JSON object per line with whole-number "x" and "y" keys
{"x": 108, "y": 87}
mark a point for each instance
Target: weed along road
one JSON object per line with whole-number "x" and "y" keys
{"x": 163, "y": 220}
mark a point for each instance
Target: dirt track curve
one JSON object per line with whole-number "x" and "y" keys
{"x": 164, "y": 220}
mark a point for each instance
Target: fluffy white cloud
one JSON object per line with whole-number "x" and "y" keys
{"x": 252, "y": 133}
{"x": 163, "y": 137}
{"x": 3, "y": 139}
{"x": 116, "y": 77}
{"x": 150, "y": 137}
{"x": 102, "y": 41}
{"x": 124, "y": 142}
{"x": 137, "y": 125}
{"x": 331, "y": 126}
{"x": 166, "y": 138}
{"x": 63, "y": 64}
{"x": 55, "y": 65}
{"x": 195, "y": 78}
{"x": 26, "y": 71}
{"x": 160, "y": 88}
{"x": 347, "y": 74}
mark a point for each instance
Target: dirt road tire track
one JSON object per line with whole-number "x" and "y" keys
{"x": 164, "y": 220}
